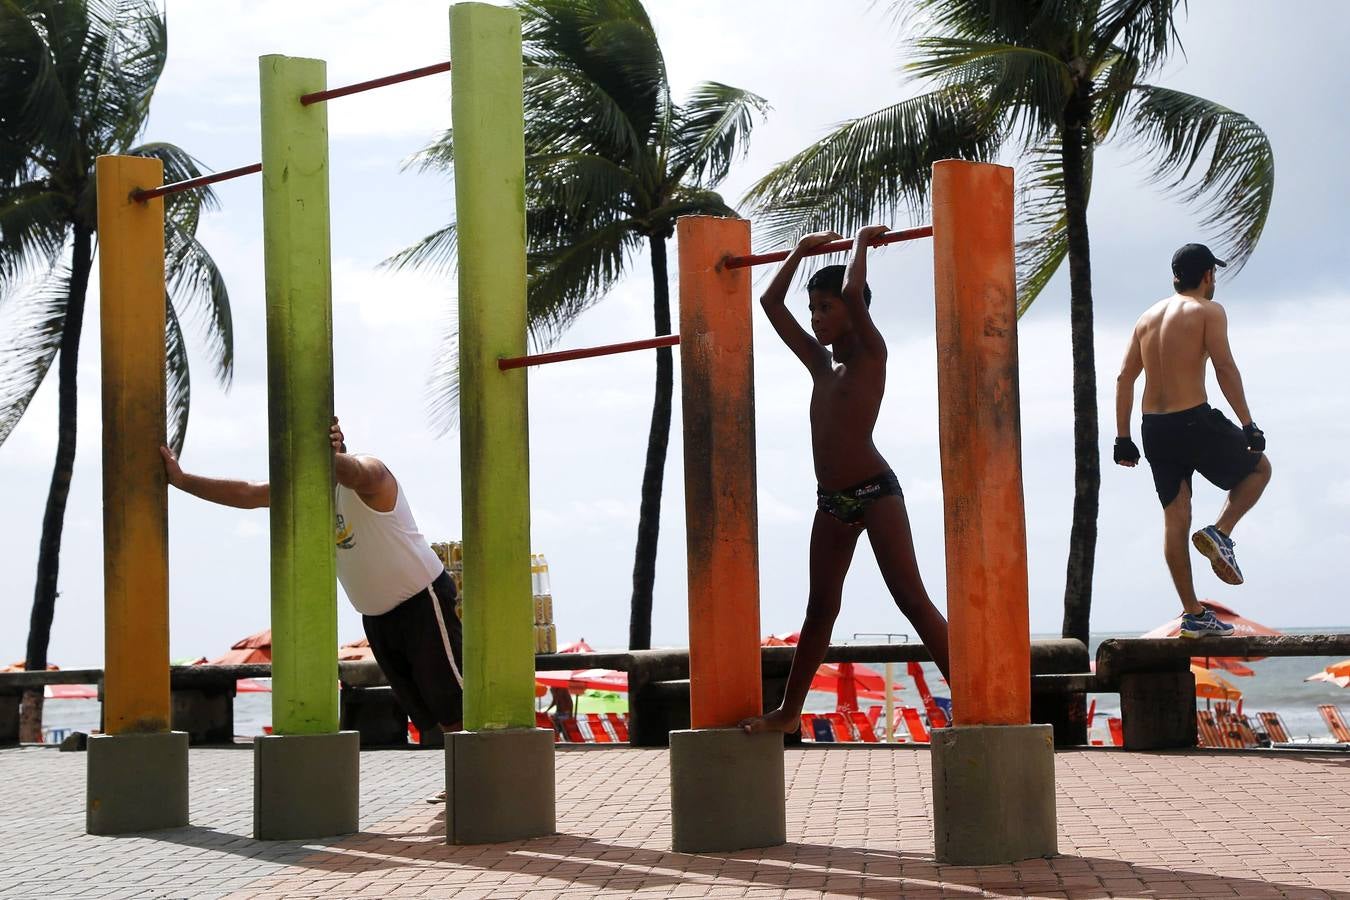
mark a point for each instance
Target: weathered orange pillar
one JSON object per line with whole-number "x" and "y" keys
{"x": 993, "y": 771}
{"x": 717, "y": 372}
{"x": 726, "y": 787}
{"x": 980, "y": 435}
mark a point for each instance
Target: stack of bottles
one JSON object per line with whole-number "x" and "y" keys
{"x": 451, "y": 555}
{"x": 545, "y": 632}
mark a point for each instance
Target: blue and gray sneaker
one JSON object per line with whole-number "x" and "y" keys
{"x": 1217, "y": 547}
{"x": 1204, "y": 625}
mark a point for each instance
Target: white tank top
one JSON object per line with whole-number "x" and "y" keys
{"x": 382, "y": 559}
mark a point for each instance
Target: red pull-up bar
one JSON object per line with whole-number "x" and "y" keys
{"x": 893, "y": 237}
{"x": 539, "y": 359}
{"x": 175, "y": 187}
{"x": 320, "y": 96}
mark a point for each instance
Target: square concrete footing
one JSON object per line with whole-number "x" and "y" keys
{"x": 306, "y": 785}
{"x": 136, "y": 782}
{"x": 993, "y": 794}
{"x": 499, "y": 786}
{"x": 726, "y": 790}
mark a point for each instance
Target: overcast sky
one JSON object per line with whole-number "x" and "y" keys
{"x": 1281, "y": 64}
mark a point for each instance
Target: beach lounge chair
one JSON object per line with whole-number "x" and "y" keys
{"x": 571, "y": 730}
{"x": 1331, "y": 714}
{"x": 1117, "y": 730}
{"x": 1207, "y": 730}
{"x": 599, "y": 733}
{"x": 842, "y": 731}
{"x": 1275, "y": 727}
{"x": 619, "y": 725}
{"x": 866, "y": 733}
{"x": 917, "y": 731}
{"x": 543, "y": 720}
{"x": 821, "y": 731}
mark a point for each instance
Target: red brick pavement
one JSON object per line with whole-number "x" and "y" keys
{"x": 1131, "y": 825}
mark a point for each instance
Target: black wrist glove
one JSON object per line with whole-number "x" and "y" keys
{"x": 1125, "y": 451}
{"x": 1256, "y": 438}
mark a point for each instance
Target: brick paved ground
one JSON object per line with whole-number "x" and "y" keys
{"x": 1131, "y": 825}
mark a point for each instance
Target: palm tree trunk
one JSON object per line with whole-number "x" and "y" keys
{"x": 1076, "y": 147}
{"x": 49, "y": 548}
{"x": 653, "y": 477}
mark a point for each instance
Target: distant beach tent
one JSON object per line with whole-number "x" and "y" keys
{"x": 256, "y": 648}
{"x": 1209, "y": 686}
{"x": 578, "y": 681}
{"x": 1242, "y": 627}
{"x": 1336, "y": 673}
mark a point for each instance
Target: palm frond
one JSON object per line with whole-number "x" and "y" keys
{"x": 1114, "y": 78}
{"x": 713, "y": 130}
{"x": 184, "y": 207}
{"x": 437, "y": 251}
{"x": 1025, "y": 85}
{"x": 195, "y": 282}
{"x": 1143, "y": 29}
{"x": 30, "y": 335}
{"x": 577, "y": 181}
{"x": 1234, "y": 186}
{"x": 177, "y": 378}
{"x": 877, "y": 164}
{"x": 1041, "y": 210}
{"x": 569, "y": 113}
{"x": 125, "y": 53}
{"x": 33, "y": 229}
{"x": 38, "y": 68}
{"x": 442, "y": 390}
{"x": 573, "y": 272}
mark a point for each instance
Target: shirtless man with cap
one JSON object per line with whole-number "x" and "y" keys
{"x": 1182, "y": 434}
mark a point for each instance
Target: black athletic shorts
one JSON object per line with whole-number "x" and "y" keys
{"x": 1200, "y": 439}
{"x": 850, "y": 505}
{"x": 411, "y": 647}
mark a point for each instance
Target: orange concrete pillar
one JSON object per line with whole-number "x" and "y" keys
{"x": 135, "y": 498}
{"x": 980, "y": 435}
{"x": 717, "y": 396}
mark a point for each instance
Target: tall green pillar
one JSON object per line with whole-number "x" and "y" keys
{"x": 488, "y": 120}
{"x": 297, "y": 264}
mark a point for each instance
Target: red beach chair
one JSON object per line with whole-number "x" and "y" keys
{"x": 543, "y": 720}
{"x": 842, "y": 732}
{"x": 917, "y": 731}
{"x": 1117, "y": 730}
{"x": 1207, "y": 730}
{"x": 864, "y": 728}
{"x": 619, "y": 725}
{"x": 1275, "y": 727}
{"x": 1331, "y": 714}
{"x": 571, "y": 730}
{"x": 599, "y": 733}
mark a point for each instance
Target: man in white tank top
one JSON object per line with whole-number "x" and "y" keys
{"x": 389, "y": 573}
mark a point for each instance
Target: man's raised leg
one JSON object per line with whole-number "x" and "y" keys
{"x": 893, "y": 543}
{"x": 832, "y": 545}
{"x": 1242, "y": 498}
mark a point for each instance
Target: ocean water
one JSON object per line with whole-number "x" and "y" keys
{"x": 1278, "y": 685}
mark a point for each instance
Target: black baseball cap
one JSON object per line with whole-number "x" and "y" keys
{"x": 1193, "y": 260}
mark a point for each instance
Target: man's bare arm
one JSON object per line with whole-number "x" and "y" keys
{"x": 803, "y": 345}
{"x": 225, "y": 491}
{"x": 855, "y": 280}
{"x": 1130, "y": 369}
{"x": 1225, "y": 368}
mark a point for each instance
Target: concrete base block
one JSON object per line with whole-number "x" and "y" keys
{"x": 726, "y": 790}
{"x": 136, "y": 782}
{"x": 306, "y": 785}
{"x": 993, "y": 794}
{"x": 205, "y": 713}
{"x": 1157, "y": 710}
{"x": 499, "y": 786}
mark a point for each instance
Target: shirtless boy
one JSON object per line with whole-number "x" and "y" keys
{"x": 1183, "y": 435}
{"x": 857, "y": 491}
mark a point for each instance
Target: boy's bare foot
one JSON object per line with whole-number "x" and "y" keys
{"x": 778, "y": 720}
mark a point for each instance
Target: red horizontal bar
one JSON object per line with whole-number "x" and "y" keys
{"x": 175, "y": 187}
{"x": 519, "y": 362}
{"x": 320, "y": 96}
{"x": 893, "y": 237}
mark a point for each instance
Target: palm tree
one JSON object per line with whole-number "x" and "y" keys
{"x": 1051, "y": 79}
{"x": 611, "y": 162}
{"x": 76, "y": 78}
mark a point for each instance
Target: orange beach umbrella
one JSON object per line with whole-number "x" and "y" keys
{"x": 1242, "y": 627}
{"x": 1210, "y": 686}
{"x": 1336, "y": 673}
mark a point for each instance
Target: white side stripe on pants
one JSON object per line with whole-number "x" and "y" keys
{"x": 445, "y": 635}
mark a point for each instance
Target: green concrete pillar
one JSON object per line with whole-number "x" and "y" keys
{"x": 489, "y": 123}
{"x": 299, "y": 396}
